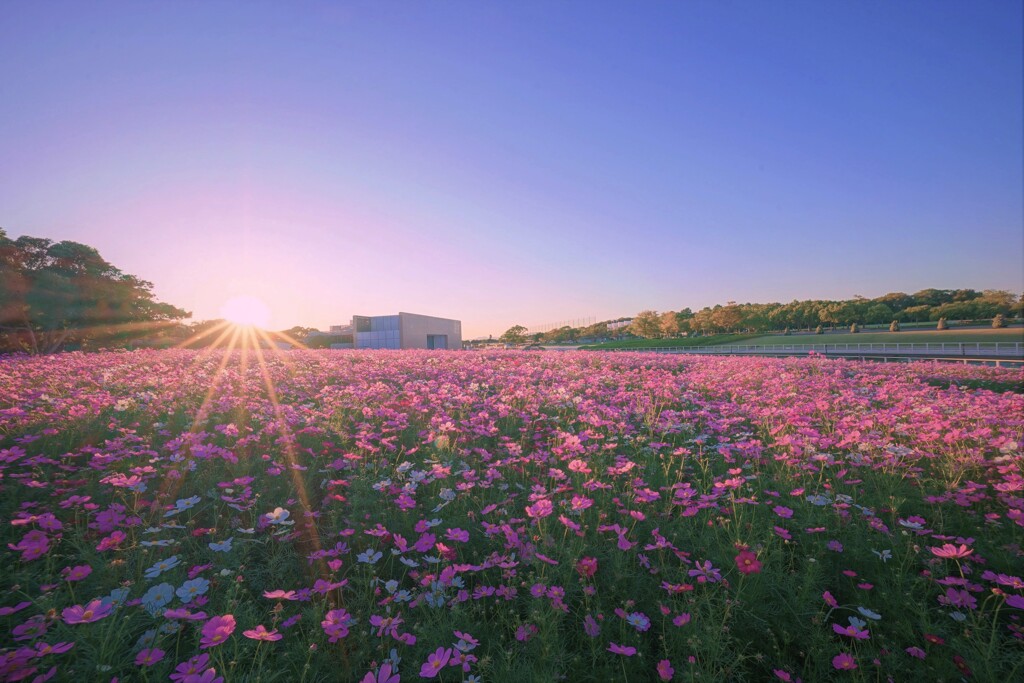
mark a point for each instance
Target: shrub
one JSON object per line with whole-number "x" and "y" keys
{"x": 818, "y": 330}
{"x": 854, "y": 328}
{"x": 942, "y": 324}
{"x": 894, "y": 326}
{"x": 999, "y": 321}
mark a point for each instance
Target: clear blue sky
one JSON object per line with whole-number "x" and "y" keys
{"x": 519, "y": 162}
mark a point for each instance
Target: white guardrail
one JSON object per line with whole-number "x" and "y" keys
{"x": 1011, "y": 349}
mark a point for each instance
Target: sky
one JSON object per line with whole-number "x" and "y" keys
{"x": 519, "y": 162}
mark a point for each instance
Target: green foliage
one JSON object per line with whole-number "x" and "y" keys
{"x": 56, "y": 294}
{"x": 514, "y": 335}
{"x": 684, "y": 342}
{"x": 646, "y": 324}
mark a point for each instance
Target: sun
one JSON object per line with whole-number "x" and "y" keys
{"x": 246, "y": 310}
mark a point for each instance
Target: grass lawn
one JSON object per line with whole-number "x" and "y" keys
{"x": 918, "y": 337}
{"x": 673, "y": 343}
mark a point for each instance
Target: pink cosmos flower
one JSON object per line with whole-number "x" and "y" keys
{"x": 435, "y": 662}
{"x": 32, "y": 546}
{"x": 915, "y": 652}
{"x": 76, "y": 573}
{"x": 852, "y": 631}
{"x": 782, "y": 511}
{"x": 951, "y": 552}
{"x": 94, "y": 611}
{"x": 747, "y": 563}
{"x": 587, "y": 566}
{"x": 261, "y": 633}
{"x": 1015, "y": 601}
{"x": 384, "y": 675}
{"x": 279, "y": 595}
{"x": 149, "y": 657}
{"x": 5, "y": 611}
{"x": 542, "y": 508}
{"x": 617, "y": 649}
{"x": 844, "y": 662}
{"x": 335, "y": 624}
{"x": 111, "y": 541}
{"x": 182, "y": 613}
{"x": 217, "y": 630}
{"x": 665, "y": 670}
{"x": 829, "y": 600}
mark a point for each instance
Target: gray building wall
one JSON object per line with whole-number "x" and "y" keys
{"x": 415, "y": 330}
{"x": 406, "y": 331}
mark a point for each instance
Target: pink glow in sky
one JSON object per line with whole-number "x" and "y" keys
{"x": 519, "y": 163}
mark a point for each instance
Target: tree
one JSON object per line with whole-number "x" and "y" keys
{"x": 670, "y": 324}
{"x": 646, "y": 324}
{"x": 514, "y": 335}
{"x": 726, "y": 318}
{"x": 878, "y": 314}
{"x": 299, "y": 333}
{"x": 53, "y": 294}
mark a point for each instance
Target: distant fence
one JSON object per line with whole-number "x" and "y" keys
{"x": 989, "y": 353}
{"x": 962, "y": 349}
{"x": 576, "y": 323}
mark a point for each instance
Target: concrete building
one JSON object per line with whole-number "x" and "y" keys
{"x": 406, "y": 331}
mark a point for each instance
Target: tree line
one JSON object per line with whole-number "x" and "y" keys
{"x": 927, "y": 305}
{"x": 58, "y": 295}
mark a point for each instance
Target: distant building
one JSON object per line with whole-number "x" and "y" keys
{"x": 406, "y": 331}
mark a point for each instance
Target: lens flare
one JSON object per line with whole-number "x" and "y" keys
{"x": 246, "y": 310}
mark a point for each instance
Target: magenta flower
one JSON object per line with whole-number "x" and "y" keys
{"x": 435, "y": 662}
{"x": 747, "y": 563}
{"x": 951, "y": 552}
{"x": 1015, "y": 601}
{"x": 617, "y": 649}
{"x": 279, "y": 595}
{"x": 217, "y": 630}
{"x": 591, "y": 627}
{"x": 844, "y": 662}
{"x": 76, "y": 573}
{"x": 829, "y": 600}
{"x": 149, "y": 657}
{"x": 665, "y": 670}
{"x": 32, "y": 546}
{"x": 587, "y": 566}
{"x": 111, "y": 541}
{"x": 94, "y": 611}
{"x": 542, "y": 508}
{"x": 782, "y": 511}
{"x": 335, "y": 624}
{"x": 383, "y": 675}
{"x": 261, "y": 633}
{"x": 852, "y": 631}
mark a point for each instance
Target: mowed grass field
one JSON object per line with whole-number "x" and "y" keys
{"x": 682, "y": 342}
{"x": 1014, "y": 334}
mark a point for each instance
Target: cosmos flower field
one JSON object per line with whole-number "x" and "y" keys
{"x": 507, "y": 516}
